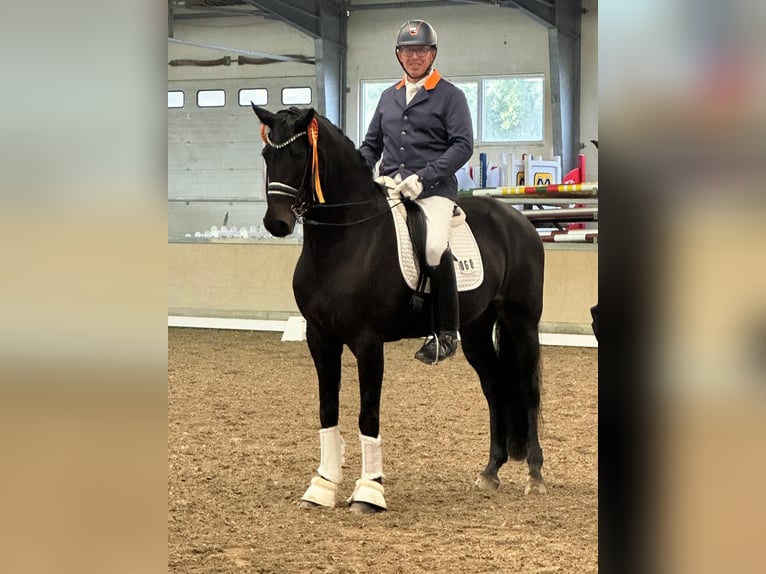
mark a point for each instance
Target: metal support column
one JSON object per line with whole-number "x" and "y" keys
{"x": 325, "y": 21}
{"x": 564, "y": 54}
{"x": 562, "y": 19}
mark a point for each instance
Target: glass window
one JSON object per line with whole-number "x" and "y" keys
{"x": 175, "y": 99}
{"x": 296, "y": 96}
{"x": 471, "y": 91}
{"x": 503, "y": 109}
{"x": 369, "y": 101}
{"x": 259, "y": 96}
{"x": 211, "y": 98}
{"x": 512, "y": 109}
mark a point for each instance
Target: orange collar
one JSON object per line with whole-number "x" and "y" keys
{"x": 429, "y": 84}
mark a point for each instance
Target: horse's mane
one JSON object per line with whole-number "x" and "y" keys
{"x": 339, "y": 140}
{"x": 349, "y": 170}
{"x": 342, "y": 140}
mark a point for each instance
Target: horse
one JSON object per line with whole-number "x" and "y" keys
{"x": 349, "y": 289}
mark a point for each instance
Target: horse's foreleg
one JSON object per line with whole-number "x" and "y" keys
{"x": 327, "y": 359}
{"x": 367, "y": 497}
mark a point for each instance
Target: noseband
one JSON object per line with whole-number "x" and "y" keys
{"x": 279, "y": 188}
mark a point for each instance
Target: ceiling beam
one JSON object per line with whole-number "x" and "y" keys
{"x": 215, "y": 12}
{"x": 411, "y": 4}
{"x": 278, "y": 57}
{"x": 301, "y": 14}
{"x": 542, "y": 12}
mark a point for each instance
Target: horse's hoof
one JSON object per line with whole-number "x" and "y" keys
{"x": 535, "y": 485}
{"x": 364, "y": 508}
{"x": 308, "y": 505}
{"x": 367, "y": 497}
{"x": 486, "y": 482}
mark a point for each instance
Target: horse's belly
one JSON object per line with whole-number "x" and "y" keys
{"x": 346, "y": 315}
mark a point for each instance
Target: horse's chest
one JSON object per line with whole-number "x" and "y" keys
{"x": 347, "y": 292}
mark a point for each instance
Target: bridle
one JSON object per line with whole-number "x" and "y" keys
{"x": 300, "y": 197}
{"x": 299, "y": 205}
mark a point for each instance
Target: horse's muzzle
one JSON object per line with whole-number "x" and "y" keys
{"x": 278, "y": 227}
{"x": 280, "y": 219}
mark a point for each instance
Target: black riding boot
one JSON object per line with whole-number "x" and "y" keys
{"x": 445, "y": 302}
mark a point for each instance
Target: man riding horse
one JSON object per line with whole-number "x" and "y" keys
{"x": 422, "y": 131}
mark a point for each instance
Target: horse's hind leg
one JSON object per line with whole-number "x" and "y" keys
{"x": 479, "y": 350}
{"x": 523, "y": 350}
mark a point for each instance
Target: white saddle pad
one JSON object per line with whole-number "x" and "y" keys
{"x": 469, "y": 270}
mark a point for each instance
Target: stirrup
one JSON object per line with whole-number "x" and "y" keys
{"x": 437, "y": 348}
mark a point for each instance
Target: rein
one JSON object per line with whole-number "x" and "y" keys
{"x": 306, "y": 221}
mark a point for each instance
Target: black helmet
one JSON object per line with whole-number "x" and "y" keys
{"x": 416, "y": 33}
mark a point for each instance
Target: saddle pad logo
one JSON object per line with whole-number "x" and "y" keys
{"x": 469, "y": 270}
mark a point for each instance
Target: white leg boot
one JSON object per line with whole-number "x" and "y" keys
{"x": 323, "y": 489}
{"x": 367, "y": 488}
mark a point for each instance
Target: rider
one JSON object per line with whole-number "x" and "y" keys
{"x": 422, "y": 130}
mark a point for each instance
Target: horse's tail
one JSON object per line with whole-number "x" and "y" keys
{"x": 523, "y": 394}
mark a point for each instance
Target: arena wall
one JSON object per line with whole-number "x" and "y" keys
{"x": 254, "y": 281}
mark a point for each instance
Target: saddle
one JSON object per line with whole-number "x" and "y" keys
{"x": 411, "y": 238}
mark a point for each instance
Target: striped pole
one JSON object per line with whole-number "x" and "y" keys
{"x": 554, "y": 189}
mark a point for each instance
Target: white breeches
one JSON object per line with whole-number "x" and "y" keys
{"x": 438, "y": 212}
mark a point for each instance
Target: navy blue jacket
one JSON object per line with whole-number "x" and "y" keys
{"x": 432, "y": 136}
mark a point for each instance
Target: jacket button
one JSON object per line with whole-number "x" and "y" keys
{"x": 401, "y": 165}
{"x": 405, "y": 118}
{"x": 401, "y": 148}
{"x": 404, "y": 133}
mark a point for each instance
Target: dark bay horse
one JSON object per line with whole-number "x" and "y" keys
{"x": 349, "y": 288}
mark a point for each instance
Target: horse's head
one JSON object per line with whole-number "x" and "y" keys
{"x": 289, "y": 137}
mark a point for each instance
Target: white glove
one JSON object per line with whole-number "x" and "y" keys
{"x": 388, "y": 184}
{"x": 410, "y": 188}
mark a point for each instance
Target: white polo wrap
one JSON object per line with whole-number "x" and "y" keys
{"x": 372, "y": 457}
{"x": 332, "y": 448}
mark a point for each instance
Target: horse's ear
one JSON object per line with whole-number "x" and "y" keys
{"x": 303, "y": 121}
{"x": 264, "y": 115}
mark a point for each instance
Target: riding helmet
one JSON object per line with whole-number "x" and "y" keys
{"x": 416, "y": 33}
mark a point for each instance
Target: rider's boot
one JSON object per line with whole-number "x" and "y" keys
{"x": 445, "y": 301}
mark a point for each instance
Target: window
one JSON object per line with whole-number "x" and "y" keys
{"x": 471, "y": 91}
{"x": 175, "y": 99}
{"x": 259, "y": 96}
{"x": 296, "y": 96}
{"x": 370, "y": 94}
{"x": 503, "y": 109}
{"x": 211, "y": 98}
{"x": 512, "y": 109}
